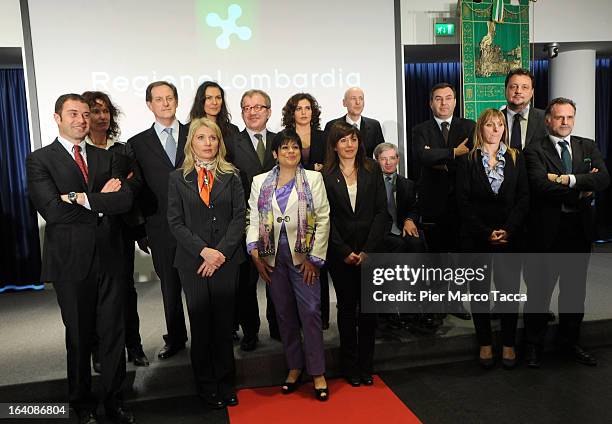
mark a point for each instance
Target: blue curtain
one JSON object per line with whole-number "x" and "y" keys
{"x": 19, "y": 243}
{"x": 539, "y": 69}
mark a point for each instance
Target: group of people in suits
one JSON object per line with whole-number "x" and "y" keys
{"x": 311, "y": 201}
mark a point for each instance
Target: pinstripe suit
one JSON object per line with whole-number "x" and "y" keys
{"x": 210, "y": 301}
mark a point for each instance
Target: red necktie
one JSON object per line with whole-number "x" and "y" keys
{"x": 205, "y": 182}
{"x": 81, "y": 162}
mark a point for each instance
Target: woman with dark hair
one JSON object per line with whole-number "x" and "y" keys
{"x": 287, "y": 239}
{"x": 493, "y": 199}
{"x": 302, "y": 114}
{"x": 103, "y": 120}
{"x": 359, "y": 220}
{"x": 209, "y": 102}
{"x": 104, "y": 133}
{"x": 206, "y": 214}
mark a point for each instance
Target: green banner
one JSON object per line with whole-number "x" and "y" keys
{"x": 494, "y": 40}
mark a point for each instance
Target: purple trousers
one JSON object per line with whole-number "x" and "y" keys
{"x": 296, "y": 302}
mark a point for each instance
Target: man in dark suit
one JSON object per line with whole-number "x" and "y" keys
{"x": 437, "y": 144}
{"x": 369, "y": 129}
{"x": 525, "y": 123}
{"x": 158, "y": 151}
{"x": 251, "y": 152}
{"x": 75, "y": 188}
{"x": 564, "y": 170}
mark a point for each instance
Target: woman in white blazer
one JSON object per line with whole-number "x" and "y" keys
{"x": 287, "y": 239}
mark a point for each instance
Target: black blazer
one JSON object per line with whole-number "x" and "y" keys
{"x": 317, "y": 149}
{"x": 242, "y": 154}
{"x": 536, "y": 128}
{"x": 150, "y": 181}
{"x": 364, "y": 229}
{"x": 195, "y": 225}
{"x": 548, "y": 197}
{"x": 369, "y": 130}
{"x": 483, "y": 211}
{"x": 74, "y": 234}
{"x": 436, "y": 165}
{"x": 405, "y": 200}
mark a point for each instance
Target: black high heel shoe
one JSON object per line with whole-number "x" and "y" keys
{"x": 321, "y": 394}
{"x": 288, "y": 387}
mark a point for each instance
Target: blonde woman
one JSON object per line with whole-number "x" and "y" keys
{"x": 493, "y": 199}
{"x": 206, "y": 214}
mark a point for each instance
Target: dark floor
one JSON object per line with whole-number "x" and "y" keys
{"x": 459, "y": 393}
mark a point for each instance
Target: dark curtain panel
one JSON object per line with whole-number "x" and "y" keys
{"x": 19, "y": 243}
{"x": 603, "y": 100}
{"x": 539, "y": 69}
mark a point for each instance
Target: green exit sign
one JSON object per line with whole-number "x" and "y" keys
{"x": 444, "y": 29}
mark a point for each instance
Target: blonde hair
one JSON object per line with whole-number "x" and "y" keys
{"x": 222, "y": 166}
{"x": 486, "y": 116}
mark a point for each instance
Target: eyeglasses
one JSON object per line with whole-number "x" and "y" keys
{"x": 256, "y": 108}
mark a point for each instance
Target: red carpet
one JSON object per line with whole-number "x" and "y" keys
{"x": 346, "y": 405}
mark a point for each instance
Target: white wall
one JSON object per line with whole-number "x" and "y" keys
{"x": 11, "y": 34}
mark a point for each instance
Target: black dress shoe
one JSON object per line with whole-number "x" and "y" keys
{"x": 87, "y": 417}
{"x": 486, "y": 363}
{"x": 509, "y": 364}
{"x": 582, "y": 356}
{"x": 533, "y": 357}
{"x": 137, "y": 356}
{"x": 120, "y": 415}
{"x": 169, "y": 350}
{"x": 249, "y": 343}
{"x": 354, "y": 380}
{"x": 290, "y": 387}
{"x": 212, "y": 401}
{"x": 367, "y": 380}
{"x": 321, "y": 394}
{"x": 231, "y": 400}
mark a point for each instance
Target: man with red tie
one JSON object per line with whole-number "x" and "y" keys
{"x": 75, "y": 188}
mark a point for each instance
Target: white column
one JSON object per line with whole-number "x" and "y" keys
{"x": 572, "y": 75}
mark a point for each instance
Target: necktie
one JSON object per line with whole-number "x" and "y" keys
{"x": 391, "y": 207}
{"x": 261, "y": 149}
{"x": 445, "y": 126}
{"x": 566, "y": 157}
{"x": 515, "y": 138}
{"x": 205, "y": 182}
{"x": 170, "y": 145}
{"x": 81, "y": 162}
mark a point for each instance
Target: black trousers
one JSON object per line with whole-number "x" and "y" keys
{"x": 132, "y": 320}
{"x": 247, "y": 313}
{"x": 324, "y": 281}
{"x": 541, "y": 274}
{"x": 163, "y": 253}
{"x": 507, "y": 277}
{"x": 210, "y": 304}
{"x": 357, "y": 330}
{"x": 92, "y": 306}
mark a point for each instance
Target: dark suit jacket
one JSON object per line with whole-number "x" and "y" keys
{"x": 548, "y": 197}
{"x": 369, "y": 130}
{"x": 317, "y": 149}
{"x": 196, "y": 226}
{"x": 364, "y": 229}
{"x": 242, "y": 154}
{"x": 150, "y": 180}
{"x": 436, "y": 164}
{"x": 405, "y": 200}
{"x": 536, "y": 128}
{"x": 483, "y": 211}
{"x": 74, "y": 234}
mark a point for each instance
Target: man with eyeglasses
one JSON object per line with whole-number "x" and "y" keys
{"x": 158, "y": 151}
{"x": 251, "y": 152}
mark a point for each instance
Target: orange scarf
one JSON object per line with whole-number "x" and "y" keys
{"x": 205, "y": 183}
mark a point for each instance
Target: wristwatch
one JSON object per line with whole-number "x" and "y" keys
{"x": 559, "y": 180}
{"x": 72, "y": 197}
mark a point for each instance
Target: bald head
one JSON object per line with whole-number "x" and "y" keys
{"x": 353, "y": 102}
